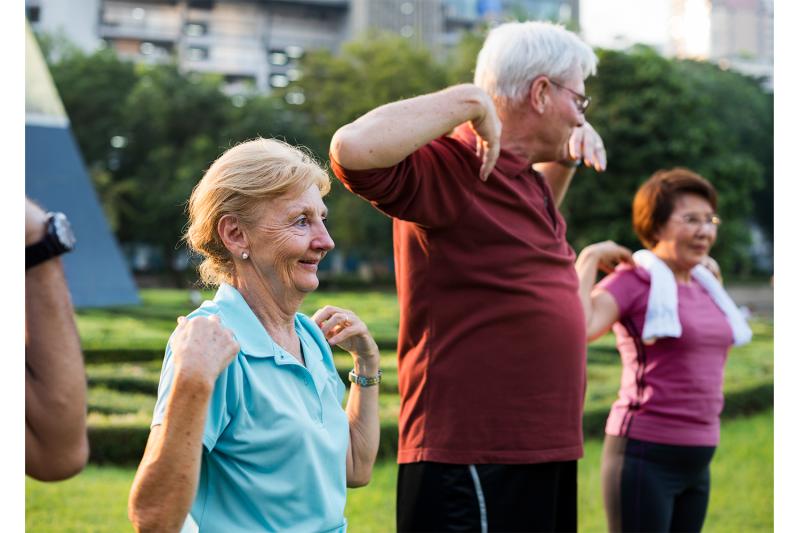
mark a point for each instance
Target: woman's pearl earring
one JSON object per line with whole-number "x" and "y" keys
{"x": 245, "y": 255}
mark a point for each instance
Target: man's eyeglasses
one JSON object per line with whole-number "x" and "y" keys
{"x": 696, "y": 221}
{"x": 581, "y": 100}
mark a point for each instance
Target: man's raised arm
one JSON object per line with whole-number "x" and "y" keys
{"x": 585, "y": 145}
{"x": 388, "y": 134}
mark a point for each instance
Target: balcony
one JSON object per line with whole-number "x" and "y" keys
{"x": 124, "y": 20}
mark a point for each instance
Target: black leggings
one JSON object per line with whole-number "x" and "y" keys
{"x": 655, "y": 487}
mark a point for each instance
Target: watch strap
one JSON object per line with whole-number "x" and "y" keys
{"x": 364, "y": 381}
{"x": 49, "y": 247}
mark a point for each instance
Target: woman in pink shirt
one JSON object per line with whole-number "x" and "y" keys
{"x": 663, "y": 429}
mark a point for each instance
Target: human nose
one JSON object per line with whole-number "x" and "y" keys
{"x": 706, "y": 227}
{"x": 322, "y": 239}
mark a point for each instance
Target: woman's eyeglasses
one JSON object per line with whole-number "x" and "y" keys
{"x": 698, "y": 221}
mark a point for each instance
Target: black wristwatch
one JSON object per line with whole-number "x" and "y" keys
{"x": 57, "y": 240}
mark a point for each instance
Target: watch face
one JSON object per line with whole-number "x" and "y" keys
{"x": 64, "y": 230}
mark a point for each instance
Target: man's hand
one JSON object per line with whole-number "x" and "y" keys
{"x": 35, "y": 223}
{"x": 487, "y": 130}
{"x": 202, "y": 348}
{"x": 585, "y": 144}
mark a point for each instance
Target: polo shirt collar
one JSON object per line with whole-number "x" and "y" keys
{"x": 507, "y": 164}
{"x": 251, "y": 335}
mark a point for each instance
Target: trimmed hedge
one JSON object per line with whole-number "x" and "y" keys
{"x": 748, "y": 401}
{"x": 143, "y": 384}
{"x": 138, "y": 355}
{"x": 149, "y": 385}
{"x": 125, "y": 444}
{"x": 120, "y": 445}
{"x": 122, "y": 355}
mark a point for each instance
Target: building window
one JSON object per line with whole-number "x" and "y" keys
{"x": 201, "y": 4}
{"x": 155, "y": 50}
{"x": 293, "y": 74}
{"x": 294, "y": 52}
{"x": 278, "y": 80}
{"x": 195, "y": 29}
{"x": 295, "y": 97}
{"x": 33, "y": 13}
{"x": 278, "y": 58}
{"x": 197, "y": 53}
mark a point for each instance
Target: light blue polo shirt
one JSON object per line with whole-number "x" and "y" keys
{"x": 276, "y": 436}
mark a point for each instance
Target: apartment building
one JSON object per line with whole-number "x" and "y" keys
{"x": 255, "y": 44}
{"x": 742, "y": 36}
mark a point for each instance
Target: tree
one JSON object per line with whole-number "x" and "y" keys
{"x": 148, "y": 133}
{"x": 370, "y": 72}
{"x": 93, "y": 89}
{"x": 462, "y": 58}
{"x": 271, "y": 116}
{"x": 656, "y": 113}
{"x": 172, "y": 124}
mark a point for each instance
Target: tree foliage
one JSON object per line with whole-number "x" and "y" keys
{"x": 654, "y": 113}
{"x": 367, "y": 73}
{"x": 148, "y": 132}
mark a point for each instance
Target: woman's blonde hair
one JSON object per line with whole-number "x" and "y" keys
{"x": 235, "y": 184}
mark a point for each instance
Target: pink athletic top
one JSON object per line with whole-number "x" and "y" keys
{"x": 671, "y": 391}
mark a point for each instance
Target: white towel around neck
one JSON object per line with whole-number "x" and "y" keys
{"x": 661, "y": 319}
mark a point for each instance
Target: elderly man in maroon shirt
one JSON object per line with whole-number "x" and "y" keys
{"x": 492, "y": 336}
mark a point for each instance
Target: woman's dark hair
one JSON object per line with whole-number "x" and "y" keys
{"x": 655, "y": 200}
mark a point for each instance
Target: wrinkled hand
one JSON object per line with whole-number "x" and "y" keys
{"x": 713, "y": 266}
{"x": 344, "y": 329}
{"x": 35, "y": 223}
{"x": 609, "y": 254}
{"x": 202, "y": 348}
{"x": 487, "y": 130}
{"x": 585, "y": 144}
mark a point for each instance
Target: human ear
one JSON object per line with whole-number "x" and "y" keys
{"x": 232, "y": 234}
{"x": 537, "y": 95}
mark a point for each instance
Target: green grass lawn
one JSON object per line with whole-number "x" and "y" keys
{"x": 741, "y": 495}
{"x": 123, "y": 393}
{"x": 741, "y": 480}
{"x": 148, "y": 326}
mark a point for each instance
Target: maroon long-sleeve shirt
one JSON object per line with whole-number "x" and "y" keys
{"x": 492, "y": 340}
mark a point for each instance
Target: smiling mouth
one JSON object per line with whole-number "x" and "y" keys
{"x": 311, "y": 262}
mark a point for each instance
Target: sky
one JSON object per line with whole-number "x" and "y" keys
{"x": 619, "y": 23}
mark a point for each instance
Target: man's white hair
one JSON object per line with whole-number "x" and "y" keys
{"x": 516, "y": 53}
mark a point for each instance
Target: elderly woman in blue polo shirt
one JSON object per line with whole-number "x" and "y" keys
{"x": 248, "y": 432}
